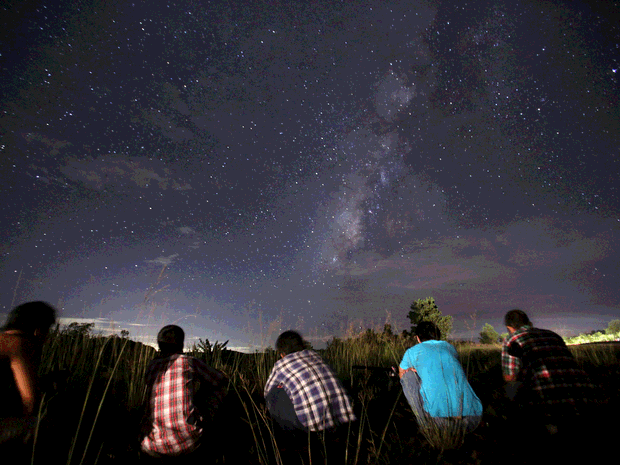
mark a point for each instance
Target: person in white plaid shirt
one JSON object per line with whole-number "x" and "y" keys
{"x": 302, "y": 392}
{"x": 184, "y": 394}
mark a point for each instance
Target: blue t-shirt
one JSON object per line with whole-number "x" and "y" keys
{"x": 444, "y": 387}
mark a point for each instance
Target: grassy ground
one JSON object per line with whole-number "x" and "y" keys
{"x": 94, "y": 395}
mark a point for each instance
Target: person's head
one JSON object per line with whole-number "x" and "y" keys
{"x": 289, "y": 342}
{"x": 170, "y": 340}
{"x": 514, "y": 319}
{"x": 427, "y": 331}
{"x": 31, "y": 318}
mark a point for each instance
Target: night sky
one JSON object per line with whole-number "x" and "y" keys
{"x": 245, "y": 167}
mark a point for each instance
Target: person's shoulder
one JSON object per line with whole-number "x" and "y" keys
{"x": 309, "y": 353}
{"x": 546, "y": 332}
{"x": 445, "y": 345}
{"x": 300, "y": 358}
{"x": 550, "y": 337}
{"x": 159, "y": 361}
{"x": 522, "y": 333}
{"x": 432, "y": 343}
{"x": 12, "y": 343}
{"x": 437, "y": 345}
{"x": 410, "y": 349}
{"x": 531, "y": 332}
{"x": 306, "y": 353}
{"x": 415, "y": 350}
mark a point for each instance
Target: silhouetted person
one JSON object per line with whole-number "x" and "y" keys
{"x": 21, "y": 343}
{"x": 435, "y": 384}
{"x": 184, "y": 394}
{"x": 304, "y": 397}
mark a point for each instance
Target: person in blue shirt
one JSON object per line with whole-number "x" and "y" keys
{"x": 435, "y": 384}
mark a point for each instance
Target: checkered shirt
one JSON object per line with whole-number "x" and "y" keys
{"x": 319, "y": 399}
{"x": 540, "y": 359}
{"x": 172, "y": 384}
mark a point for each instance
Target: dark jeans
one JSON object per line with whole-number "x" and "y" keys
{"x": 295, "y": 442}
{"x": 282, "y": 411}
{"x": 411, "y": 388}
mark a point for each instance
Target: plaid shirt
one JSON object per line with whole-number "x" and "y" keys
{"x": 540, "y": 359}
{"x": 319, "y": 399}
{"x": 177, "y": 385}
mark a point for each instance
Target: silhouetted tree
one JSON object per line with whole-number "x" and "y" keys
{"x": 613, "y": 327}
{"x": 427, "y": 310}
{"x": 488, "y": 335}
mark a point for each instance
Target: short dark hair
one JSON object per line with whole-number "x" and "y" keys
{"x": 30, "y": 317}
{"x": 170, "y": 339}
{"x": 289, "y": 342}
{"x": 427, "y": 330}
{"x": 516, "y": 318}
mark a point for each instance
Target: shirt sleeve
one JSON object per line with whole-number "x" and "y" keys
{"x": 510, "y": 365}
{"x": 272, "y": 380}
{"x": 405, "y": 364}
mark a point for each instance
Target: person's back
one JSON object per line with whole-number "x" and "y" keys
{"x": 435, "y": 384}
{"x": 183, "y": 394}
{"x": 309, "y": 405}
{"x": 553, "y": 401}
{"x": 444, "y": 386}
{"x": 177, "y": 420}
{"x": 550, "y": 375}
{"x": 319, "y": 400}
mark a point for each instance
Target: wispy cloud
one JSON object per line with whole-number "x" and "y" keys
{"x": 98, "y": 172}
{"x": 164, "y": 261}
{"x": 103, "y": 326}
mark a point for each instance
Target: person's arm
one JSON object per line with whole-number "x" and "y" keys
{"x": 510, "y": 365}
{"x": 12, "y": 347}
{"x": 24, "y": 380}
{"x": 401, "y": 372}
{"x": 271, "y": 381}
{"x": 405, "y": 365}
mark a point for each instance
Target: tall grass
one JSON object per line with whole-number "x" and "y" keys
{"x": 82, "y": 374}
{"x": 91, "y": 408}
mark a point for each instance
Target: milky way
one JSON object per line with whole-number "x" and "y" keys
{"x": 243, "y": 168}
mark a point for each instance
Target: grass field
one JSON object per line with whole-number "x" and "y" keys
{"x": 94, "y": 393}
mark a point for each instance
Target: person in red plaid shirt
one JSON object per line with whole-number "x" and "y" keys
{"x": 553, "y": 397}
{"x": 184, "y": 394}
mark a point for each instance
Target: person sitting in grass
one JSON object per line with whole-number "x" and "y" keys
{"x": 542, "y": 376}
{"x": 184, "y": 394}
{"x": 435, "y": 384}
{"x": 21, "y": 343}
{"x": 304, "y": 396}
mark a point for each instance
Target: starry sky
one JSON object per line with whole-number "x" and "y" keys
{"x": 245, "y": 167}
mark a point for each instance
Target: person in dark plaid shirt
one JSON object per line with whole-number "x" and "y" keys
{"x": 553, "y": 399}
{"x": 184, "y": 394}
{"x": 538, "y": 362}
{"x": 319, "y": 400}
